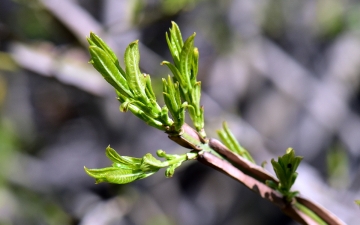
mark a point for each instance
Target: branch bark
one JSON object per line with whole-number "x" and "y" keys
{"x": 252, "y": 176}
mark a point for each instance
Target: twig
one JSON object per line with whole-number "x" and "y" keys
{"x": 254, "y": 177}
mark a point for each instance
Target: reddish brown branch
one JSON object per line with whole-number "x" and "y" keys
{"x": 250, "y": 175}
{"x": 259, "y": 187}
{"x": 255, "y": 185}
{"x": 245, "y": 165}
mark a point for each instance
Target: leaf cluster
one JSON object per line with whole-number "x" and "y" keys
{"x": 133, "y": 88}
{"x": 135, "y": 93}
{"x": 127, "y": 169}
{"x": 184, "y": 69}
{"x": 285, "y": 170}
{"x": 182, "y": 91}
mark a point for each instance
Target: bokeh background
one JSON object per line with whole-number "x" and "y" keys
{"x": 281, "y": 73}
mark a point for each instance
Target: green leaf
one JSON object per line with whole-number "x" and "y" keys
{"x": 136, "y": 107}
{"x": 176, "y": 36}
{"x": 195, "y": 66}
{"x": 228, "y": 138}
{"x": 124, "y": 106}
{"x": 186, "y": 61}
{"x": 97, "y": 41}
{"x": 133, "y": 88}
{"x": 170, "y": 96}
{"x": 102, "y": 63}
{"x": 134, "y": 77}
{"x": 116, "y": 175}
{"x": 164, "y": 116}
{"x": 148, "y": 88}
{"x": 196, "y": 113}
{"x": 171, "y": 170}
{"x": 196, "y": 94}
{"x": 285, "y": 170}
{"x": 150, "y": 163}
{"x": 173, "y": 50}
{"x": 271, "y": 184}
{"x": 127, "y": 169}
{"x": 175, "y": 43}
{"x": 162, "y": 154}
{"x": 145, "y": 117}
{"x": 178, "y": 76}
{"x": 172, "y": 100}
{"x": 124, "y": 162}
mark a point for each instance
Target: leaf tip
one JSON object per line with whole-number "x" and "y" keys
{"x": 136, "y": 42}
{"x": 88, "y": 171}
{"x": 164, "y": 63}
{"x": 196, "y": 51}
{"x": 290, "y": 150}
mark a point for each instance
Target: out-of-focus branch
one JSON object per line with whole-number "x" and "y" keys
{"x": 84, "y": 21}
{"x": 65, "y": 68}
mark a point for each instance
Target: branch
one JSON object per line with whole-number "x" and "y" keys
{"x": 252, "y": 176}
{"x": 181, "y": 92}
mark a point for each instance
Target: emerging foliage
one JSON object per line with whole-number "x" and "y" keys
{"x": 127, "y": 169}
{"x": 182, "y": 91}
{"x": 135, "y": 93}
{"x": 185, "y": 69}
{"x": 173, "y": 101}
{"x": 285, "y": 169}
{"x": 133, "y": 88}
{"x": 228, "y": 138}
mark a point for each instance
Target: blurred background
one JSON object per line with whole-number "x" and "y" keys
{"x": 281, "y": 73}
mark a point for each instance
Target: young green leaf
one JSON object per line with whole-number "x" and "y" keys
{"x": 186, "y": 61}
{"x": 171, "y": 170}
{"x": 133, "y": 88}
{"x": 154, "y": 122}
{"x": 172, "y": 100}
{"x": 173, "y": 50}
{"x": 124, "y": 162}
{"x": 127, "y": 169}
{"x": 177, "y": 75}
{"x": 148, "y": 89}
{"x": 150, "y": 163}
{"x": 185, "y": 69}
{"x": 97, "y": 41}
{"x": 285, "y": 169}
{"x": 195, "y": 66}
{"x": 197, "y": 114}
{"x": 102, "y": 63}
{"x": 134, "y": 77}
{"x": 175, "y": 43}
{"x": 228, "y": 138}
{"x": 176, "y": 36}
{"x": 116, "y": 175}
